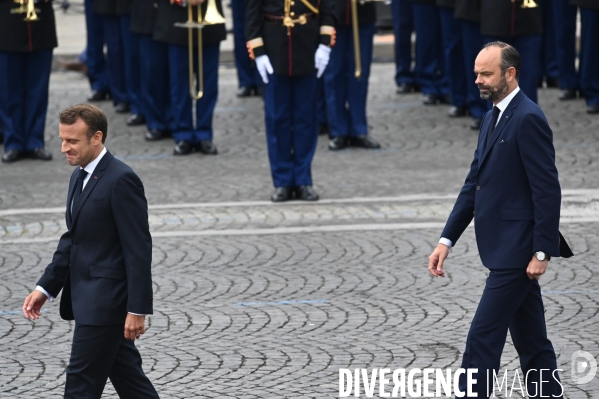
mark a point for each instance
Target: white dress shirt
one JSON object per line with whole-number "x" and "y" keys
{"x": 502, "y": 105}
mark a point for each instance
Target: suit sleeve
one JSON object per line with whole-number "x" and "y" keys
{"x": 327, "y": 22}
{"x": 463, "y": 210}
{"x": 254, "y": 21}
{"x": 537, "y": 152}
{"x": 56, "y": 272}
{"x": 130, "y": 211}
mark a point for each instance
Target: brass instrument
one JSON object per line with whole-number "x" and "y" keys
{"x": 211, "y": 17}
{"x": 354, "y": 25}
{"x": 527, "y": 4}
{"x": 28, "y": 9}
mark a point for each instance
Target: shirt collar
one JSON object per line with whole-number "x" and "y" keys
{"x": 502, "y": 105}
{"x": 92, "y": 165}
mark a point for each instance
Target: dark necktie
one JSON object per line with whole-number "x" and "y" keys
{"x": 78, "y": 187}
{"x": 494, "y": 115}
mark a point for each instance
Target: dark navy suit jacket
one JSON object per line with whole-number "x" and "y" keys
{"x": 512, "y": 190}
{"x": 103, "y": 261}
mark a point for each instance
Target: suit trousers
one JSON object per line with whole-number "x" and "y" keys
{"x": 181, "y": 102}
{"x": 564, "y": 15}
{"x": 24, "y": 98}
{"x": 291, "y": 128}
{"x": 403, "y": 26}
{"x": 102, "y": 352}
{"x": 154, "y": 76}
{"x": 345, "y": 95}
{"x": 510, "y": 302}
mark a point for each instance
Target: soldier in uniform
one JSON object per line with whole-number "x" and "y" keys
{"x": 25, "y": 61}
{"x": 187, "y": 136}
{"x": 153, "y": 71}
{"x": 520, "y": 26}
{"x": 248, "y": 77}
{"x": 403, "y": 26}
{"x": 345, "y": 93}
{"x": 290, "y": 41}
{"x": 589, "y": 52}
{"x": 115, "y": 56}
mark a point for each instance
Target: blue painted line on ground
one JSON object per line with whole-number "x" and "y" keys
{"x": 286, "y": 302}
{"x": 561, "y": 292}
{"x": 20, "y": 311}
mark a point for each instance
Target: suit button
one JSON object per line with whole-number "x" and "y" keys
{"x": 477, "y": 188}
{"x": 74, "y": 243}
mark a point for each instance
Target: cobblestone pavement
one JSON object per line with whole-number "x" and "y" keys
{"x": 257, "y": 300}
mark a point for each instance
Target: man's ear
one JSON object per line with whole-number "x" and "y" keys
{"x": 97, "y": 137}
{"x": 511, "y": 71}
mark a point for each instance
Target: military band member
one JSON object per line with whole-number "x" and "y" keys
{"x": 153, "y": 72}
{"x": 248, "y": 77}
{"x": 589, "y": 52}
{"x": 187, "y": 135}
{"x": 25, "y": 64}
{"x": 345, "y": 93}
{"x": 290, "y": 41}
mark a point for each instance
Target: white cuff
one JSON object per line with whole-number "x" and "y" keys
{"x": 136, "y": 314}
{"x": 43, "y": 291}
{"x": 445, "y": 241}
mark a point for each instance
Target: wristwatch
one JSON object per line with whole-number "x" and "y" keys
{"x": 540, "y": 255}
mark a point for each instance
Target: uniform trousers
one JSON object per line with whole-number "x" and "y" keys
{"x": 454, "y": 56}
{"x": 589, "y": 54}
{"x": 472, "y": 41}
{"x": 181, "y": 102}
{"x": 291, "y": 128}
{"x": 24, "y": 98}
{"x": 429, "y": 69}
{"x": 131, "y": 57}
{"x": 548, "y": 59}
{"x": 102, "y": 352}
{"x": 247, "y": 74}
{"x": 115, "y": 59}
{"x": 510, "y": 302}
{"x": 530, "y": 47}
{"x": 95, "y": 59}
{"x": 154, "y": 76}
{"x": 345, "y": 94}
{"x": 403, "y": 26}
{"x": 565, "y": 35}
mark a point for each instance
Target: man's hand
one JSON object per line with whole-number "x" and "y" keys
{"x": 435, "y": 261}
{"x": 32, "y": 307}
{"x": 134, "y": 326}
{"x": 536, "y": 268}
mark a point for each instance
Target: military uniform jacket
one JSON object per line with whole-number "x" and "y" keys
{"x": 468, "y": 10}
{"x": 143, "y": 16}
{"x": 586, "y": 3}
{"x": 506, "y": 19}
{"x": 366, "y": 12}
{"x": 166, "y": 31}
{"x": 22, "y": 36}
{"x": 290, "y": 49}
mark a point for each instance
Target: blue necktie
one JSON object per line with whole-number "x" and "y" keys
{"x": 494, "y": 115}
{"x": 78, "y": 187}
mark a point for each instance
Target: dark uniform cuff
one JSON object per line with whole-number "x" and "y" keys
{"x": 255, "y": 48}
{"x": 327, "y": 35}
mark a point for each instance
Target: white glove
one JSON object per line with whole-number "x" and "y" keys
{"x": 264, "y": 67}
{"x": 321, "y": 59}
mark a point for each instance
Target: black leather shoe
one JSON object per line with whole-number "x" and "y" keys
{"x": 475, "y": 125}
{"x": 456, "y": 112}
{"x": 259, "y": 91}
{"x": 337, "y": 143}
{"x": 183, "y": 148}
{"x": 281, "y": 194}
{"x": 245, "y": 92}
{"x": 41, "y": 154}
{"x": 429, "y": 99}
{"x": 567, "y": 94}
{"x": 323, "y": 128}
{"x": 306, "y": 193}
{"x": 135, "y": 120}
{"x": 593, "y": 109}
{"x": 154, "y": 134}
{"x": 121, "y": 108}
{"x": 364, "y": 142}
{"x": 552, "y": 82}
{"x": 404, "y": 88}
{"x": 98, "y": 95}
{"x": 1, "y": 138}
{"x": 445, "y": 99}
{"x": 206, "y": 147}
{"x": 11, "y": 156}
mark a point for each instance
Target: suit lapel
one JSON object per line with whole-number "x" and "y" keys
{"x": 91, "y": 183}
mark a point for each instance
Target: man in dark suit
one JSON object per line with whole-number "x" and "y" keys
{"x": 102, "y": 264}
{"x": 513, "y": 192}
